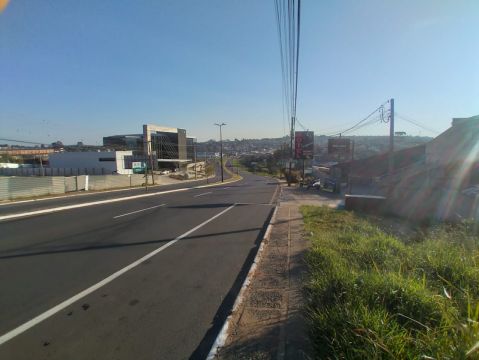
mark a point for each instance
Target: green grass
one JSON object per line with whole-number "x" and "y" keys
{"x": 371, "y": 295}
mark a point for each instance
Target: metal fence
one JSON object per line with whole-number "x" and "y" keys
{"x": 23, "y": 171}
{"x": 20, "y": 187}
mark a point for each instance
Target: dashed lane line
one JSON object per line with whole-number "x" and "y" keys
{"x": 31, "y": 323}
{"x": 137, "y": 211}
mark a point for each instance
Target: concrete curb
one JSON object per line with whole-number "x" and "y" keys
{"x": 223, "y": 334}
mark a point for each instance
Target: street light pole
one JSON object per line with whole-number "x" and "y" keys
{"x": 194, "y": 150}
{"x": 221, "y": 148}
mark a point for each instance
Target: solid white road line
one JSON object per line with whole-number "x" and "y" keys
{"x": 29, "y": 324}
{"x": 206, "y": 193}
{"x": 73, "y": 195}
{"x": 223, "y": 334}
{"x": 137, "y": 211}
{"x": 248, "y": 203}
{"x": 68, "y": 207}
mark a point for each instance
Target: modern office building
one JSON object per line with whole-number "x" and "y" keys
{"x": 133, "y": 142}
{"x": 160, "y": 146}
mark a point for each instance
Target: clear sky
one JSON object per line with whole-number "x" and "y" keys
{"x": 79, "y": 70}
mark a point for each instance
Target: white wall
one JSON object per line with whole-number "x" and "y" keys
{"x": 91, "y": 160}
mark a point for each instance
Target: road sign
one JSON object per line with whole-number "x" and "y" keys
{"x": 138, "y": 167}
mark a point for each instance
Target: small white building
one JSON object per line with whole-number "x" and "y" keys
{"x": 105, "y": 162}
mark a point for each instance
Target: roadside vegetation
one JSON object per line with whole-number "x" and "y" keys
{"x": 372, "y": 295}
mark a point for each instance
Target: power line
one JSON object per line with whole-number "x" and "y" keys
{"x": 417, "y": 123}
{"x": 288, "y": 21}
{"x": 302, "y": 126}
{"x": 24, "y": 142}
{"x": 361, "y": 123}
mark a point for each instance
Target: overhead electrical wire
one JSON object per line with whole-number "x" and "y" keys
{"x": 288, "y": 20}
{"x": 363, "y": 123}
{"x": 414, "y": 122}
{"x": 302, "y": 126}
{"x": 24, "y": 142}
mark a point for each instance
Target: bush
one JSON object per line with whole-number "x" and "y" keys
{"x": 372, "y": 296}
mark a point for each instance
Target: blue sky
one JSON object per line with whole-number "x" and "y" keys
{"x": 80, "y": 70}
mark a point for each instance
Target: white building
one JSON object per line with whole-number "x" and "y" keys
{"x": 105, "y": 162}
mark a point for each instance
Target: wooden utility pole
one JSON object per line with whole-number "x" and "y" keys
{"x": 292, "y": 152}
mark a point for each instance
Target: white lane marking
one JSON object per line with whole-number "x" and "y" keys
{"x": 61, "y": 208}
{"x": 218, "y": 184}
{"x": 137, "y": 211}
{"x": 68, "y": 207}
{"x": 71, "y": 195}
{"x": 31, "y": 323}
{"x": 247, "y": 203}
{"x": 206, "y": 193}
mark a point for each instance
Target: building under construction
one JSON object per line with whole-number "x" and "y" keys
{"x": 160, "y": 146}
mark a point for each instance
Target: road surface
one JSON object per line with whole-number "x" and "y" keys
{"x": 145, "y": 278}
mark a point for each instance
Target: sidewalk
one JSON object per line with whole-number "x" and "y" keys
{"x": 269, "y": 324}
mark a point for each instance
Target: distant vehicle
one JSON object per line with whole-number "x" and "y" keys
{"x": 330, "y": 185}
{"x": 316, "y": 184}
{"x": 165, "y": 172}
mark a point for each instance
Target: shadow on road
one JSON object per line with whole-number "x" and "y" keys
{"x": 226, "y": 306}
{"x": 56, "y": 250}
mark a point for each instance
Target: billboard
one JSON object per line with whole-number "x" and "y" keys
{"x": 303, "y": 144}
{"x": 339, "y": 146}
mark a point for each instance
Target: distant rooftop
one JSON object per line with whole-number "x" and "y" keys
{"x": 459, "y": 121}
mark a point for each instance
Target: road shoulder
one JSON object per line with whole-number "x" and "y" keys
{"x": 269, "y": 323}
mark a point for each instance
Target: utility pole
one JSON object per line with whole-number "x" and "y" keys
{"x": 41, "y": 166}
{"x": 350, "y": 185}
{"x": 391, "y": 145}
{"x": 194, "y": 150}
{"x": 221, "y": 148}
{"x": 149, "y": 148}
{"x": 291, "y": 138}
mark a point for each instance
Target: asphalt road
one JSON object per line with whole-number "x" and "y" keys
{"x": 169, "y": 306}
{"x": 80, "y": 197}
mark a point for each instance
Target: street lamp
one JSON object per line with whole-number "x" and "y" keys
{"x": 221, "y": 148}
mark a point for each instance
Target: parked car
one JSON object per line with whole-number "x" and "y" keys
{"x": 330, "y": 185}
{"x": 165, "y": 172}
{"x": 316, "y": 184}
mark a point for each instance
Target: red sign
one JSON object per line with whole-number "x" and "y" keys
{"x": 303, "y": 145}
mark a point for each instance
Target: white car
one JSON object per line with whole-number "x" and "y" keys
{"x": 165, "y": 172}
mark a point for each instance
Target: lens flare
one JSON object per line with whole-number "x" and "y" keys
{"x": 3, "y": 4}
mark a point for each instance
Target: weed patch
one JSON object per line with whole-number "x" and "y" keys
{"x": 372, "y": 295}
